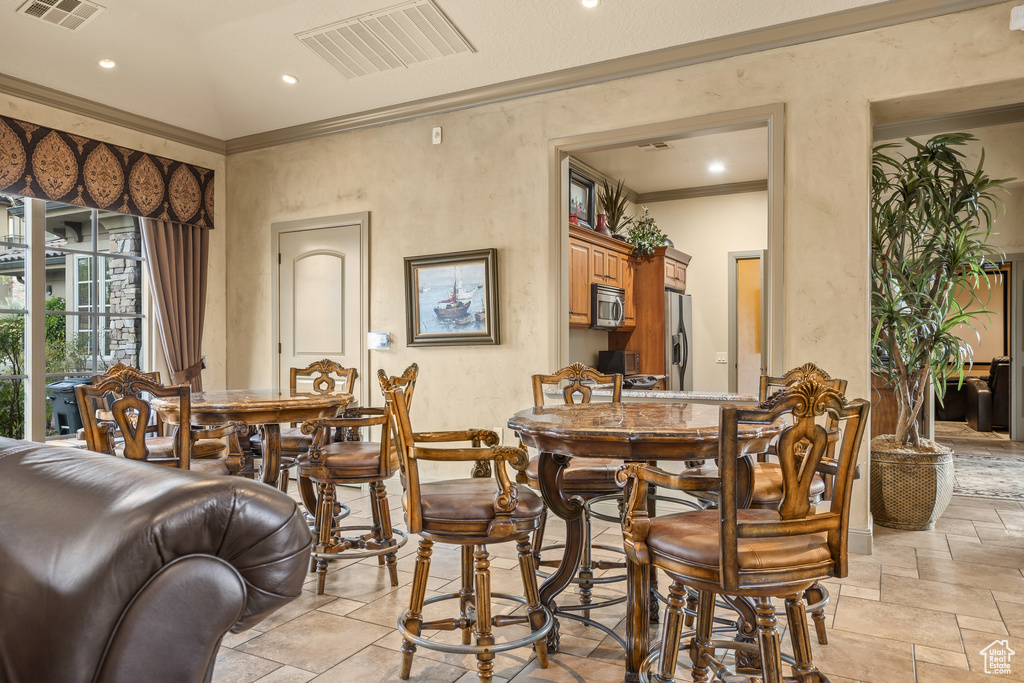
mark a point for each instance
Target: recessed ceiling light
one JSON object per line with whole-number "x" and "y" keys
{"x": 716, "y": 167}
{"x": 107, "y": 63}
{"x": 289, "y": 79}
{"x": 590, "y": 4}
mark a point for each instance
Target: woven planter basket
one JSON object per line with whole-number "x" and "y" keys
{"x": 910, "y": 492}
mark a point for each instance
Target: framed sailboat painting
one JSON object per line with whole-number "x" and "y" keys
{"x": 452, "y": 299}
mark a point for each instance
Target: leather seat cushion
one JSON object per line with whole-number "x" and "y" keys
{"x": 583, "y": 475}
{"x": 293, "y": 442}
{"x": 210, "y": 466}
{"x": 767, "y": 482}
{"x": 347, "y": 459}
{"x": 163, "y": 447}
{"x": 693, "y": 538}
{"x": 471, "y": 500}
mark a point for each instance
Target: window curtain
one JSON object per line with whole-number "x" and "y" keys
{"x": 177, "y": 256}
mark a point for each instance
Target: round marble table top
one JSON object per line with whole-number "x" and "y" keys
{"x": 258, "y": 405}
{"x": 627, "y": 430}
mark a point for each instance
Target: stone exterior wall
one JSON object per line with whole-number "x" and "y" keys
{"x": 124, "y": 295}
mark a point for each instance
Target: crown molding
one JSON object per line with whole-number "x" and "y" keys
{"x": 101, "y": 112}
{"x": 994, "y": 116}
{"x": 850, "y": 21}
{"x": 855, "y": 20}
{"x": 702, "y": 191}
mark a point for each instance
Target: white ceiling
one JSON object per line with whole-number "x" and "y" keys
{"x": 215, "y": 66}
{"x": 685, "y": 163}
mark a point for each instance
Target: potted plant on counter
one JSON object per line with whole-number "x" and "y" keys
{"x": 931, "y": 220}
{"x": 613, "y": 202}
{"x": 644, "y": 234}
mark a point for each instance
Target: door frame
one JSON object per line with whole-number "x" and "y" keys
{"x": 770, "y": 115}
{"x": 362, "y": 220}
{"x": 734, "y": 326}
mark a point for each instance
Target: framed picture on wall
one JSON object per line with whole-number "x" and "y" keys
{"x": 452, "y": 299}
{"x": 581, "y": 197}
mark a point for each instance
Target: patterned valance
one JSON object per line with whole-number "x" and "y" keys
{"x": 63, "y": 167}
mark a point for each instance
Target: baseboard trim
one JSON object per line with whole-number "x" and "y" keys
{"x": 860, "y": 541}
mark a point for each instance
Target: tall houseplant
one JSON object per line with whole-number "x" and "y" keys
{"x": 931, "y": 220}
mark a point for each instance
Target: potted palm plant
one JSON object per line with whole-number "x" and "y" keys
{"x": 931, "y": 221}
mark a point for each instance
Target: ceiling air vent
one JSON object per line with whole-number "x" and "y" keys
{"x": 655, "y": 146}
{"x": 69, "y": 14}
{"x": 396, "y": 38}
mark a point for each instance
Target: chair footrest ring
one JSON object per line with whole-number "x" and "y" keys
{"x": 353, "y": 553}
{"x": 459, "y": 649}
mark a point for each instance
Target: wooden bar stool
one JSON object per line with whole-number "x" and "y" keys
{"x": 472, "y": 514}
{"x": 330, "y": 463}
{"x": 752, "y": 554}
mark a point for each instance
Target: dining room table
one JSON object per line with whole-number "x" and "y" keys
{"x": 261, "y": 409}
{"x": 630, "y": 432}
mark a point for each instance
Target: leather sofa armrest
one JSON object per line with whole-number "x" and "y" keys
{"x": 979, "y": 404}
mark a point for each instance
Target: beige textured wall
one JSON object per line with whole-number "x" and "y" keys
{"x": 486, "y": 186}
{"x": 708, "y": 228}
{"x": 214, "y": 331}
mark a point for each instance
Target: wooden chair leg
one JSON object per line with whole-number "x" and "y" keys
{"x": 324, "y": 523}
{"x": 419, "y": 589}
{"x": 482, "y": 626}
{"x": 538, "y": 538}
{"x": 812, "y": 595}
{"x": 308, "y": 494}
{"x": 670, "y": 636}
{"x": 532, "y": 595}
{"x": 803, "y": 668}
{"x": 691, "y": 604}
{"x": 282, "y": 479}
{"x": 383, "y": 532}
{"x": 586, "y": 572}
{"x": 466, "y": 593}
{"x": 768, "y": 640}
{"x": 701, "y": 672}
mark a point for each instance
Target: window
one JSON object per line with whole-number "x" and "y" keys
{"x": 12, "y": 317}
{"x": 93, "y": 299}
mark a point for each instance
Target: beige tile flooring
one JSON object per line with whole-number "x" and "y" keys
{"x": 919, "y": 610}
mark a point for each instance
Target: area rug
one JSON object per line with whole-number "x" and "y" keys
{"x": 988, "y": 476}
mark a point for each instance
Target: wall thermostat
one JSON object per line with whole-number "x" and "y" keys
{"x": 378, "y": 341}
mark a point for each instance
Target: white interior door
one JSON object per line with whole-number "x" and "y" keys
{"x": 320, "y": 302}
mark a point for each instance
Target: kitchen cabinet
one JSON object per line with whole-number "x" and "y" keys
{"x": 579, "y": 283}
{"x": 675, "y": 273}
{"x": 595, "y": 258}
{"x": 666, "y": 268}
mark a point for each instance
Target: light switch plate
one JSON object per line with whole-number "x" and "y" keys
{"x": 436, "y": 135}
{"x": 378, "y": 341}
{"x": 722, "y": 357}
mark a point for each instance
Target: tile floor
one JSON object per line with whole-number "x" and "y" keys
{"x": 919, "y": 610}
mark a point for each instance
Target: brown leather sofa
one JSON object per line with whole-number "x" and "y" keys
{"x": 988, "y": 399}
{"x": 113, "y": 570}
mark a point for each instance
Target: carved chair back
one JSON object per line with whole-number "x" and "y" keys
{"x": 772, "y": 385}
{"x": 326, "y": 374}
{"x": 580, "y": 380}
{"x": 800, "y": 448}
{"x": 130, "y": 414}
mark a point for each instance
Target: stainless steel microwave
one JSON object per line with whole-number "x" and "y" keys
{"x": 607, "y": 307}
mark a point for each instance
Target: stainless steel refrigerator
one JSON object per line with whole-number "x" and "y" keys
{"x": 678, "y": 342}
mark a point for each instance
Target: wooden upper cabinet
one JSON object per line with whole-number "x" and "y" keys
{"x": 579, "y": 283}
{"x": 594, "y": 258}
{"x": 675, "y": 274}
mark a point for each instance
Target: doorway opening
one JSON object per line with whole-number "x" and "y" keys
{"x": 588, "y": 152}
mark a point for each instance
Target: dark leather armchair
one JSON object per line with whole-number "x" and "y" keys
{"x": 988, "y": 399}
{"x": 115, "y": 570}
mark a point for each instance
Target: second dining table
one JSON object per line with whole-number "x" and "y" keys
{"x": 630, "y": 432}
{"x": 263, "y": 409}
